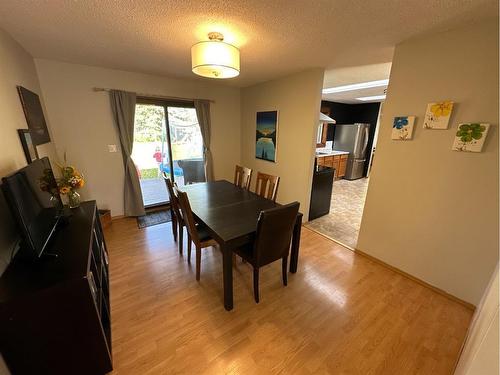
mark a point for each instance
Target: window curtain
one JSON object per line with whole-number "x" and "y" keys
{"x": 123, "y": 109}
{"x": 203, "y": 113}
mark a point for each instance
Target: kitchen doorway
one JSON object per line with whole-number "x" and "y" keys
{"x": 167, "y": 139}
{"x": 343, "y": 161}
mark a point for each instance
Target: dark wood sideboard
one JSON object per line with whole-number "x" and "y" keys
{"x": 55, "y": 312}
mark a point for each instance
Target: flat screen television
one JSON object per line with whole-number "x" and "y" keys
{"x": 28, "y": 193}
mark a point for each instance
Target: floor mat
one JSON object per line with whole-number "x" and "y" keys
{"x": 153, "y": 218}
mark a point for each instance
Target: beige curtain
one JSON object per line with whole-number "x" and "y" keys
{"x": 203, "y": 113}
{"x": 123, "y": 109}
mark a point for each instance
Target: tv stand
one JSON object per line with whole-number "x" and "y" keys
{"x": 55, "y": 314}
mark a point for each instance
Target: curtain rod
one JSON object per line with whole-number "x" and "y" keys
{"x": 97, "y": 89}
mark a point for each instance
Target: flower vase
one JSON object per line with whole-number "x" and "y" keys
{"x": 73, "y": 199}
{"x": 57, "y": 204}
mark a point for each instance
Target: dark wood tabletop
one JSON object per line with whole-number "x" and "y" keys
{"x": 231, "y": 215}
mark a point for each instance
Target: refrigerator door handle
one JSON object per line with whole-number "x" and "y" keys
{"x": 367, "y": 133}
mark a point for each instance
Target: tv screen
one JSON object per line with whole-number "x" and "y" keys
{"x": 28, "y": 193}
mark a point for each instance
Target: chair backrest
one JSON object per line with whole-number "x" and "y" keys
{"x": 242, "y": 177}
{"x": 193, "y": 170}
{"x": 274, "y": 233}
{"x": 187, "y": 215}
{"x": 174, "y": 202}
{"x": 267, "y": 186}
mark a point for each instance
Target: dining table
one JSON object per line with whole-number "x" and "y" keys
{"x": 230, "y": 214}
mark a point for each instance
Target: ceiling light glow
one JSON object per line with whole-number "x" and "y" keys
{"x": 368, "y": 98}
{"x": 357, "y": 86}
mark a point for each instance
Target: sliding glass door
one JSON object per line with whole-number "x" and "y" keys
{"x": 167, "y": 139}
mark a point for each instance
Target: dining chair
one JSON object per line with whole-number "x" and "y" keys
{"x": 272, "y": 241}
{"x": 242, "y": 177}
{"x": 267, "y": 186}
{"x": 178, "y": 223}
{"x": 198, "y": 234}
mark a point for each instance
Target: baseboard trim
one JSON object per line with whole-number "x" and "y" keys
{"x": 468, "y": 305}
{"x": 117, "y": 217}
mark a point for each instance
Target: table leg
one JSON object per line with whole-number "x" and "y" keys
{"x": 227, "y": 265}
{"x": 294, "y": 254}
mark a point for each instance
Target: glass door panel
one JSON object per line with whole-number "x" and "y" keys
{"x": 187, "y": 145}
{"x": 150, "y": 152}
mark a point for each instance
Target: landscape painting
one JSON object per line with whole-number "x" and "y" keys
{"x": 470, "y": 137}
{"x": 438, "y": 115}
{"x": 265, "y": 142}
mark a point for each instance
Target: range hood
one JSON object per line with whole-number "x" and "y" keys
{"x": 324, "y": 118}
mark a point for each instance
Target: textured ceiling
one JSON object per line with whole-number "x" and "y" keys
{"x": 276, "y": 37}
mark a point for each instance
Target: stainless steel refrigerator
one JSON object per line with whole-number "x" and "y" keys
{"x": 353, "y": 138}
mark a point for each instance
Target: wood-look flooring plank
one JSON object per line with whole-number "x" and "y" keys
{"x": 341, "y": 313}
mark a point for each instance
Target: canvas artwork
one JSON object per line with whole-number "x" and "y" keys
{"x": 34, "y": 116}
{"x": 402, "y": 128}
{"x": 470, "y": 137}
{"x": 266, "y": 134}
{"x": 438, "y": 115}
{"x": 29, "y": 148}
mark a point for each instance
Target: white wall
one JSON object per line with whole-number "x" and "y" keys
{"x": 82, "y": 123}
{"x": 480, "y": 353}
{"x": 430, "y": 211}
{"x": 297, "y": 98}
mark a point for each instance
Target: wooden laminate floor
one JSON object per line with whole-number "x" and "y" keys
{"x": 340, "y": 314}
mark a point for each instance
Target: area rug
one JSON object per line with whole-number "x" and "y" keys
{"x": 153, "y": 218}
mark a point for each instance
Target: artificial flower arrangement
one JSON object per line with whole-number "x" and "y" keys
{"x": 70, "y": 181}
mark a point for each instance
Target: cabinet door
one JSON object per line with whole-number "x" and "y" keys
{"x": 320, "y": 161}
{"x": 336, "y": 165}
{"x": 329, "y": 161}
{"x": 343, "y": 165}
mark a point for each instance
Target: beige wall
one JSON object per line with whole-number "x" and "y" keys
{"x": 297, "y": 98}
{"x": 480, "y": 354}
{"x": 430, "y": 211}
{"x": 17, "y": 68}
{"x": 82, "y": 124}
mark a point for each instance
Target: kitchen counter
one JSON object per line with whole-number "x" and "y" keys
{"x": 331, "y": 153}
{"x": 333, "y": 159}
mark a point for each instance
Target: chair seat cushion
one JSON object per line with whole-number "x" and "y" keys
{"x": 204, "y": 236}
{"x": 246, "y": 252}
{"x": 203, "y": 233}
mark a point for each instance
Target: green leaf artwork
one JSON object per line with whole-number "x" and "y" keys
{"x": 470, "y": 137}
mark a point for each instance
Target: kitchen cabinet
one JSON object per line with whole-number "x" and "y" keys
{"x": 337, "y": 161}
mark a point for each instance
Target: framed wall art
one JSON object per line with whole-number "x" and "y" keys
{"x": 29, "y": 147}
{"x": 266, "y": 135}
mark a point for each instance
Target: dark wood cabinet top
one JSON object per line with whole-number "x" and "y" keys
{"x": 72, "y": 244}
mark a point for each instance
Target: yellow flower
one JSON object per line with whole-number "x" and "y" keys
{"x": 442, "y": 108}
{"x": 64, "y": 190}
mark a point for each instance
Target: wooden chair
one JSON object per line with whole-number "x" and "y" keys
{"x": 178, "y": 223}
{"x": 267, "y": 186}
{"x": 242, "y": 177}
{"x": 272, "y": 241}
{"x": 198, "y": 234}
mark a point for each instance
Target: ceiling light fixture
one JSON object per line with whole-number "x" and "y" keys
{"x": 215, "y": 58}
{"x": 368, "y": 98}
{"x": 357, "y": 86}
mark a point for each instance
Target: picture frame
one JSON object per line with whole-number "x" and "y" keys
{"x": 29, "y": 148}
{"x": 266, "y": 135}
{"x": 34, "y": 116}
